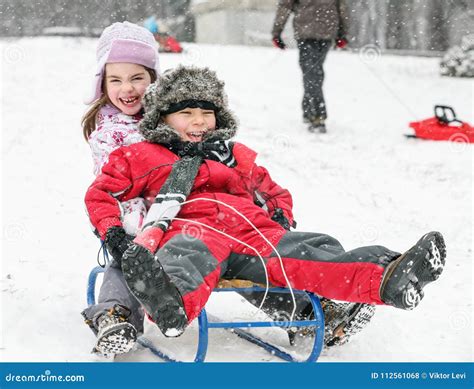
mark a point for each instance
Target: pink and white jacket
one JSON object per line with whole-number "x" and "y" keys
{"x": 114, "y": 129}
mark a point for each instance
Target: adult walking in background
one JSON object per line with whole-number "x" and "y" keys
{"x": 317, "y": 24}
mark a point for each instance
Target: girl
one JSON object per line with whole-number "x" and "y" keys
{"x": 196, "y": 176}
{"x": 127, "y": 62}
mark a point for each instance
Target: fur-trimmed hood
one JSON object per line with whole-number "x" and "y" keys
{"x": 180, "y": 84}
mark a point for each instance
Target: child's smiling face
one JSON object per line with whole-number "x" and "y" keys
{"x": 125, "y": 84}
{"x": 191, "y": 123}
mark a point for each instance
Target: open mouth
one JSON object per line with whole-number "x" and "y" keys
{"x": 130, "y": 101}
{"x": 196, "y": 136}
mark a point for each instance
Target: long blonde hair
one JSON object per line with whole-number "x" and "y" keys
{"x": 89, "y": 120}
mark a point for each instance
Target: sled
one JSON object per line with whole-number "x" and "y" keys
{"x": 168, "y": 43}
{"x": 317, "y": 324}
{"x": 443, "y": 126}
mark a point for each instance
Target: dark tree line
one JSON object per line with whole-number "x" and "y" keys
{"x": 411, "y": 24}
{"x": 390, "y": 24}
{"x": 31, "y": 17}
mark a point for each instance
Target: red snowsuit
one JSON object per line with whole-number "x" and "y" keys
{"x": 195, "y": 257}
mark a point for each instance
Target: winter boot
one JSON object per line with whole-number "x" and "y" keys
{"x": 115, "y": 334}
{"x": 342, "y": 321}
{"x": 152, "y": 287}
{"x": 404, "y": 278}
{"x": 317, "y": 124}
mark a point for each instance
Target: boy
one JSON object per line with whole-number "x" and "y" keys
{"x": 196, "y": 178}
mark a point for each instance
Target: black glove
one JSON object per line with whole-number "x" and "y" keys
{"x": 278, "y": 42}
{"x": 280, "y": 218}
{"x": 117, "y": 242}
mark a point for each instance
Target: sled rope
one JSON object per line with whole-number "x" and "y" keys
{"x": 245, "y": 244}
{"x": 239, "y": 241}
{"x": 105, "y": 255}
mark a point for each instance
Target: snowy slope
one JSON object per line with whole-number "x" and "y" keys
{"x": 363, "y": 183}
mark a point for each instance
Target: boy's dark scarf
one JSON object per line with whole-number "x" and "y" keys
{"x": 179, "y": 183}
{"x": 220, "y": 151}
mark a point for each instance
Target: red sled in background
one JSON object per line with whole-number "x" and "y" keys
{"x": 168, "y": 43}
{"x": 443, "y": 126}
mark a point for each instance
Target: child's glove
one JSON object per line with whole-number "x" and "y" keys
{"x": 280, "y": 218}
{"x": 117, "y": 242}
{"x": 278, "y": 42}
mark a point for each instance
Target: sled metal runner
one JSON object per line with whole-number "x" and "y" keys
{"x": 237, "y": 327}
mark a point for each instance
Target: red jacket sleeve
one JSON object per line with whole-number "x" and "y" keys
{"x": 269, "y": 195}
{"x": 103, "y": 196}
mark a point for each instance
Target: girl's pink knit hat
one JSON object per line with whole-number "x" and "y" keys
{"x": 123, "y": 42}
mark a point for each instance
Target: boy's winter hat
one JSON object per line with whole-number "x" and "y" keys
{"x": 123, "y": 42}
{"x": 186, "y": 87}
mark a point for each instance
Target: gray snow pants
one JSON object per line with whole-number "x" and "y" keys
{"x": 114, "y": 291}
{"x": 312, "y": 53}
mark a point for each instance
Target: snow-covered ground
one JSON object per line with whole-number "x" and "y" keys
{"x": 363, "y": 182}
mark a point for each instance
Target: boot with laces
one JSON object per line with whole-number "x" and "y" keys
{"x": 342, "y": 322}
{"x": 115, "y": 334}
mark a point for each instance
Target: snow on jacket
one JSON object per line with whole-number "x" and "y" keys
{"x": 114, "y": 129}
{"x": 142, "y": 168}
{"x": 313, "y": 19}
